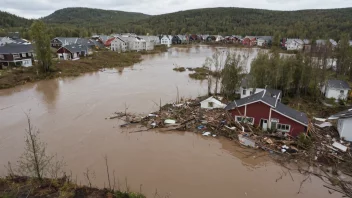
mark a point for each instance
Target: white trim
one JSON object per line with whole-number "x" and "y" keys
{"x": 255, "y": 102}
{"x": 290, "y": 118}
{"x": 285, "y": 131}
{"x": 252, "y": 123}
{"x": 245, "y": 110}
{"x": 269, "y": 120}
{"x": 277, "y": 98}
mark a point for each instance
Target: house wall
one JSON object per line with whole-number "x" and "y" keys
{"x": 260, "y": 110}
{"x": 335, "y": 93}
{"x": 260, "y": 42}
{"x": 149, "y": 45}
{"x": 165, "y": 41}
{"x": 296, "y": 128}
{"x": 344, "y": 127}
{"x": 256, "y": 110}
{"x": 118, "y": 45}
{"x": 27, "y": 62}
{"x": 216, "y": 104}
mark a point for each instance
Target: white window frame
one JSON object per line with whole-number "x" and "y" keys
{"x": 244, "y": 117}
{"x": 279, "y": 126}
{"x": 2, "y": 56}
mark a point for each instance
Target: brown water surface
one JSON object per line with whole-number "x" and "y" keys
{"x": 70, "y": 114}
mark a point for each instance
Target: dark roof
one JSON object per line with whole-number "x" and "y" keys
{"x": 15, "y": 48}
{"x": 343, "y": 114}
{"x": 292, "y": 113}
{"x": 274, "y": 92}
{"x": 338, "y": 84}
{"x": 266, "y": 97}
{"x": 263, "y": 96}
{"x": 267, "y": 38}
{"x": 75, "y": 48}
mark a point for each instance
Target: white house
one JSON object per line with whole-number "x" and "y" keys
{"x": 294, "y": 44}
{"x": 166, "y": 40}
{"x": 212, "y": 103}
{"x": 118, "y": 45}
{"x": 344, "y": 124}
{"x": 337, "y": 89}
{"x": 154, "y": 39}
{"x": 219, "y": 38}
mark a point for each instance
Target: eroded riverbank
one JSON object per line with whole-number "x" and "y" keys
{"x": 70, "y": 114}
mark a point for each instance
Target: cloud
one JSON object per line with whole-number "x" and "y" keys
{"x": 40, "y": 8}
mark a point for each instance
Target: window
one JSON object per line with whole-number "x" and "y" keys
{"x": 244, "y": 92}
{"x": 342, "y": 92}
{"x": 2, "y": 56}
{"x": 251, "y": 93}
{"x": 248, "y": 120}
{"x": 210, "y": 104}
{"x": 24, "y": 55}
{"x": 16, "y": 56}
{"x": 283, "y": 127}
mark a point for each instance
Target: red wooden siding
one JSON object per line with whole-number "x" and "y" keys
{"x": 296, "y": 128}
{"x": 260, "y": 110}
{"x": 256, "y": 110}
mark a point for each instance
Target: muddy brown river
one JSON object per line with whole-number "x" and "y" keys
{"x": 70, "y": 114}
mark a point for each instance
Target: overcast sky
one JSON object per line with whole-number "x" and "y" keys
{"x": 40, "y": 8}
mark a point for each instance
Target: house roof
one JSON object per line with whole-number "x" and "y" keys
{"x": 338, "y": 84}
{"x": 292, "y": 113}
{"x": 267, "y": 98}
{"x": 15, "y": 48}
{"x": 320, "y": 42}
{"x": 263, "y": 96}
{"x": 75, "y": 48}
{"x": 343, "y": 114}
{"x": 250, "y": 37}
{"x": 267, "y": 38}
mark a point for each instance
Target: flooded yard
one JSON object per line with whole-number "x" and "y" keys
{"x": 70, "y": 114}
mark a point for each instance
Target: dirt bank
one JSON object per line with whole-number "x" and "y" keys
{"x": 17, "y": 186}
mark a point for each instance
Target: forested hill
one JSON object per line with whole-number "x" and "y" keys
{"x": 8, "y": 20}
{"x": 92, "y": 18}
{"x": 227, "y": 21}
{"x": 314, "y": 24}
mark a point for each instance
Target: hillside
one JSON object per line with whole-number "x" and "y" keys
{"x": 92, "y": 18}
{"x": 304, "y": 23}
{"x": 8, "y": 20}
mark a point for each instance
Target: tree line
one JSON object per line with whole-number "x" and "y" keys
{"x": 312, "y": 24}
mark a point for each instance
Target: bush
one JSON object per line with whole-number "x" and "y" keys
{"x": 304, "y": 141}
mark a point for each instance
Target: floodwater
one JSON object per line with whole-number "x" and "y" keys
{"x": 70, "y": 114}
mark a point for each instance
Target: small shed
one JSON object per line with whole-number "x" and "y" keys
{"x": 344, "y": 124}
{"x": 337, "y": 89}
{"x": 212, "y": 103}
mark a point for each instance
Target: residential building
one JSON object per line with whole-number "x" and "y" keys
{"x": 119, "y": 45}
{"x": 249, "y": 40}
{"x": 344, "y": 124}
{"x": 265, "y": 111}
{"x": 183, "y": 38}
{"x": 176, "y": 40}
{"x": 154, "y": 39}
{"x": 212, "y": 103}
{"x": 219, "y": 38}
{"x": 72, "y": 52}
{"x": 264, "y": 40}
{"x": 337, "y": 89}
{"x": 166, "y": 40}
{"x": 293, "y": 44}
{"x": 16, "y": 55}
{"x": 131, "y": 43}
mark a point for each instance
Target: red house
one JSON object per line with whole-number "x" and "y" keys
{"x": 265, "y": 111}
{"x": 250, "y": 41}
